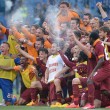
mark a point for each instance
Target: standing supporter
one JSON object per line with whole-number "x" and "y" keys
{"x": 86, "y": 23}
{"x": 7, "y": 77}
{"x": 105, "y": 18}
{"x": 11, "y": 39}
{"x": 65, "y": 13}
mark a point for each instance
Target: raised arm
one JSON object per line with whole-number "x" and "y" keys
{"x": 26, "y": 33}
{"x": 103, "y": 13}
{"x": 81, "y": 46}
{"x": 16, "y": 33}
{"x": 66, "y": 61}
{"x": 31, "y": 37}
{"x": 4, "y": 30}
{"x": 25, "y": 53}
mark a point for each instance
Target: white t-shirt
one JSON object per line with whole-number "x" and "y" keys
{"x": 54, "y": 64}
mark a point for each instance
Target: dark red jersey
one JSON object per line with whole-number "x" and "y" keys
{"x": 42, "y": 66}
{"x": 100, "y": 51}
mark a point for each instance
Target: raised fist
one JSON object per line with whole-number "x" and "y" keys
{"x": 99, "y": 4}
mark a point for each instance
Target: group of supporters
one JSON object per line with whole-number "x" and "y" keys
{"x": 61, "y": 65}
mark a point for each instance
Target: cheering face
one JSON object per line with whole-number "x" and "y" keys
{"x": 107, "y": 23}
{"x": 42, "y": 55}
{"x": 23, "y": 61}
{"x": 63, "y": 27}
{"x": 38, "y": 45}
{"x": 88, "y": 46}
{"x": 4, "y": 48}
{"x": 86, "y": 20}
{"x": 63, "y": 8}
{"x": 94, "y": 23}
{"x": 75, "y": 50}
{"x": 54, "y": 49}
{"x": 87, "y": 39}
{"x": 73, "y": 24}
{"x": 102, "y": 35}
{"x": 69, "y": 32}
{"x": 70, "y": 37}
{"x": 39, "y": 33}
{"x": 27, "y": 27}
{"x": 33, "y": 30}
{"x": 47, "y": 29}
{"x": 44, "y": 25}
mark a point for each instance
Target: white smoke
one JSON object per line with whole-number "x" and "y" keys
{"x": 51, "y": 17}
{"x": 8, "y": 5}
{"x": 17, "y": 16}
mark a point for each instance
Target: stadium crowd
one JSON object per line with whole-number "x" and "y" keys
{"x": 62, "y": 63}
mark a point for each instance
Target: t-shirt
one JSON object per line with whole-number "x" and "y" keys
{"x": 9, "y": 62}
{"x": 12, "y": 41}
{"x": 55, "y": 64}
{"x": 100, "y": 51}
{"x": 71, "y": 14}
{"x": 42, "y": 66}
{"x": 27, "y": 75}
{"x": 32, "y": 38}
{"x": 88, "y": 28}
